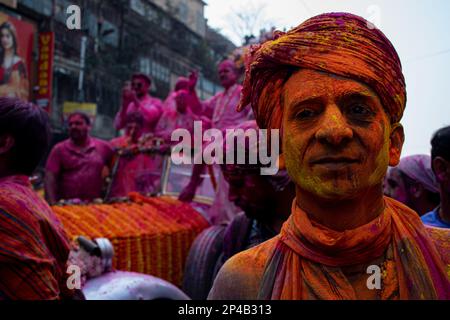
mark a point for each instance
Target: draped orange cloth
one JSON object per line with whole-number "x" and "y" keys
{"x": 339, "y": 43}
{"x": 307, "y": 259}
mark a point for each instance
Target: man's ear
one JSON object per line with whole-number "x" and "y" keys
{"x": 281, "y": 163}
{"x": 441, "y": 169}
{"x": 6, "y": 143}
{"x": 396, "y": 140}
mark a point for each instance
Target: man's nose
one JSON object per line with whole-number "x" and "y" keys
{"x": 334, "y": 128}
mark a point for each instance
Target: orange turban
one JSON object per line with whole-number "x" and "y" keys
{"x": 339, "y": 43}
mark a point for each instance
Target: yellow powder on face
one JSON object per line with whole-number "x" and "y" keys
{"x": 382, "y": 160}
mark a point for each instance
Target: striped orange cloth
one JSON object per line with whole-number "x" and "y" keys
{"x": 149, "y": 235}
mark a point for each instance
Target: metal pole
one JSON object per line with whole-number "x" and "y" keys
{"x": 82, "y": 66}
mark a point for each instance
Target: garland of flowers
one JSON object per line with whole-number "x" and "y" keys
{"x": 149, "y": 235}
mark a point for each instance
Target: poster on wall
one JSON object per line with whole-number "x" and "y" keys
{"x": 16, "y": 49}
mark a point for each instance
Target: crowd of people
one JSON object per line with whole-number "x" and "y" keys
{"x": 343, "y": 199}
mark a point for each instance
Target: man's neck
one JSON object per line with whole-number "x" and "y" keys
{"x": 142, "y": 97}
{"x": 345, "y": 214}
{"x": 227, "y": 88}
{"x": 80, "y": 143}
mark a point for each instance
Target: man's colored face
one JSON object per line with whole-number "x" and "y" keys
{"x": 78, "y": 127}
{"x": 133, "y": 130}
{"x": 336, "y": 135}
{"x": 182, "y": 84}
{"x": 181, "y": 101}
{"x": 249, "y": 191}
{"x": 140, "y": 86}
{"x": 227, "y": 74}
{"x": 395, "y": 186}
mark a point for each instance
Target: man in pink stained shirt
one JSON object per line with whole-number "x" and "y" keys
{"x": 138, "y": 99}
{"x": 75, "y": 167}
{"x": 181, "y": 108}
{"x": 221, "y": 109}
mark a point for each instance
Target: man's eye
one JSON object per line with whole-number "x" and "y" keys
{"x": 305, "y": 114}
{"x": 360, "y": 110}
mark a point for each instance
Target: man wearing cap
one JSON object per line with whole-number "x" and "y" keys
{"x": 139, "y": 100}
{"x": 335, "y": 87}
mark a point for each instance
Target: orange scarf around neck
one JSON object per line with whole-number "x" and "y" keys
{"x": 306, "y": 262}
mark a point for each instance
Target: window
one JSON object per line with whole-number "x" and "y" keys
{"x": 183, "y": 12}
{"x": 145, "y": 66}
{"x": 138, "y": 6}
{"x": 160, "y": 72}
{"x": 43, "y": 6}
{"x": 201, "y": 24}
{"x": 110, "y": 33}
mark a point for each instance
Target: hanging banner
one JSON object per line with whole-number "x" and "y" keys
{"x": 16, "y": 48}
{"x": 45, "y": 70}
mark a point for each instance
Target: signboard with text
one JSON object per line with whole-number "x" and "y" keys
{"x": 88, "y": 108}
{"x": 45, "y": 70}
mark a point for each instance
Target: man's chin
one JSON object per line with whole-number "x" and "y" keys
{"x": 334, "y": 191}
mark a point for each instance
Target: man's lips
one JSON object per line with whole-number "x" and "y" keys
{"x": 335, "y": 162}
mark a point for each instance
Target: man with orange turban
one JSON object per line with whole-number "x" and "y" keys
{"x": 335, "y": 88}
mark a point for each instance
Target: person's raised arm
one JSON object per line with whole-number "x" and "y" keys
{"x": 127, "y": 98}
{"x": 188, "y": 193}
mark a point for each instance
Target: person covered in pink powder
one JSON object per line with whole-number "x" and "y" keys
{"x": 221, "y": 109}
{"x": 413, "y": 183}
{"x": 181, "y": 108}
{"x": 139, "y": 99}
{"x": 76, "y": 167}
{"x": 135, "y": 171}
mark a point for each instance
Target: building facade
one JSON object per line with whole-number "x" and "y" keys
{"x": 163, "y": 38}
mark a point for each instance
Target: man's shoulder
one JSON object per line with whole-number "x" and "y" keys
{"x": 240, "y": 276}
{"x": 99, "y": 142}
{"x": 428, "y": 217}
{"x": 257, "y": 255}
{"x": 118, "y": 142}
{"x": 62, "y": 146}
{"x": 441, "y": 234}
{"x": 404, "y": 210}
{"x": 19, "y": 204}
{"x": 441, "y": 239}
{"x": 102, "y": 146}
{"x": 153, "y": 102}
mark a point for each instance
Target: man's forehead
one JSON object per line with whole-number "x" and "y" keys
{"x": 76, "y": 118}
{"x": 226, "y": 65}
{"x": 309, "y": 84}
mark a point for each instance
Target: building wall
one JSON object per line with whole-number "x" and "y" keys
{"x": 190, "y": 12}
{"x": 123, "y": 36}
